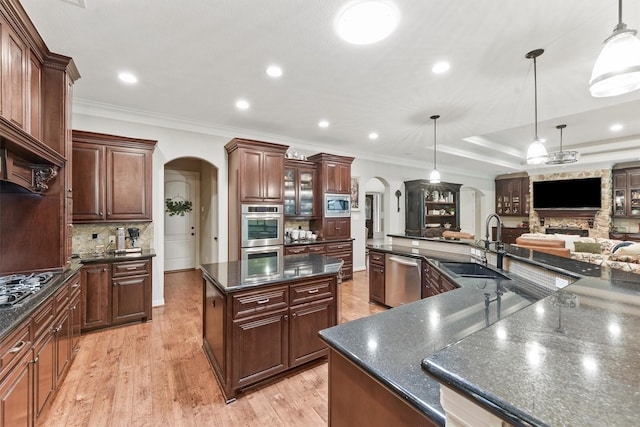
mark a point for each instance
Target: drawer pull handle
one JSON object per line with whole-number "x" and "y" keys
{"x": 77, "y": 285}
{"x": 132, "y": 268}
{"x": 19, "y": 346}
{"x": 262, "y": 301}
{"x": 313, "y": 291}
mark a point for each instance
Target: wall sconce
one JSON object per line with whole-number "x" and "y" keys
{"x": 398, "y": 194}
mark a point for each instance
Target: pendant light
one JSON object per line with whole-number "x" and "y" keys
{"x": 562, "y": 157}
{"x": 434, "y": 178}
{"x": 617, "y": 69}
{"x": 536, "y": 154}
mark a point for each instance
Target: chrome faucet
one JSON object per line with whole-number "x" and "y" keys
{"x": 499, "y": 244}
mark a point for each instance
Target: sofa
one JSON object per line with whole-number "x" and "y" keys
{"x": 618, "y": 254}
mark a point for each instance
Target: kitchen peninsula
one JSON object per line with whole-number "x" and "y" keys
{"x": 261, "y": 317}
{"x": 535, "y": 365}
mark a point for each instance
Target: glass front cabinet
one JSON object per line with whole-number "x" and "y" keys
{"x": 626, "y": 193}
{"x": 299, "y": 181}
{"x": 512, "y": 196}
{"x": 431, "y": 209}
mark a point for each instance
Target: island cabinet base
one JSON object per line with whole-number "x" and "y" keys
{"x": 463, "y": 412}
{"x": 356, "y": 398}
{"x": 261, "y": 333}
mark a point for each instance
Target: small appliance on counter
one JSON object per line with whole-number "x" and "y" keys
{"x": 134, "y": 234}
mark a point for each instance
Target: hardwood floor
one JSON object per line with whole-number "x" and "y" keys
{"x": 156, "y": 373}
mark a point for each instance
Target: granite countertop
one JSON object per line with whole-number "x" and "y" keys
{"x": 554, "y": 364}
{"x": 12, "y": 317}
{"x": 241, "y": 275}
{"x": 390, "y": 345}
{"x": 89, "y": 258}
{"x": 291, "y": 242}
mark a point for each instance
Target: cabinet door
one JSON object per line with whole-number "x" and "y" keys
{"x": 337, "y": 228}
{"x": 306, "y": 321}
{"x": 337, "y": 178}
{"x": 88, "y": 182}
{"x": 16, "y": 408}
{"x": 44, "y": 370}
{"x": 251, "y": 173}
{"x": 620, "y": 202}
{"x": 96, "y": 293}
{"x": 290, "y": 193}
{"x": 260, "y": 347}
{"x": 75, "y": 312}
{"x": 273, "y": 169}
{"x": 130, "y": 297}
{"x": 376, "y": 283}
{"x": 63, "y": 333}
{"x": 15, "y": 57}
{"x": 213, "y": 323}
{"x": 620, "y": 179}
{"x": 128, "y": 189}
{"x": 35, "y": 90}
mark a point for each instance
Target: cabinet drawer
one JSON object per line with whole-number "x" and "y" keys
{"x": 295, "y": 250}
{"x": 376, "y": 258}
{"x": 313, "y": 291}
{"x": 62, "y": 298}
{"x": 335, "y": 247}
{"x": 249, "y": 304}
{"x": 317, "y": 249}
{"x": 43, "y": 319}
{"x": 130, "y": 268}
{"x": 13, "y": 347}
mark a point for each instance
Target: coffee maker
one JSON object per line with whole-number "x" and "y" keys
{"x": 134, "y": 234}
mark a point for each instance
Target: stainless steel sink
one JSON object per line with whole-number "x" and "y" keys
{"x": 472, "y": 269}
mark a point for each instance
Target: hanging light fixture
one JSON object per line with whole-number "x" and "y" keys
{"x": 434, "y": 178}
{"x": 562, "y": 157}
{"x": 617, "y": 69}
{"x": 536, "y": 154}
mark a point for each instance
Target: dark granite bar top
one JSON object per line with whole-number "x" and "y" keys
{"x": 90, "y": 258}
{"x": 303, "y": 242}
{"x": 570, "y": 359}
{"x": 12, "y": 317}
{"x": 242, "y": 275}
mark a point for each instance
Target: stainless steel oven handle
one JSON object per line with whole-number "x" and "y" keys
{"x": 276, "y": 217}
{"x": 261, "y": 249}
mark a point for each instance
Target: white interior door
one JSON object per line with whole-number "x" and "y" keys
{"x": 180, "y": 232}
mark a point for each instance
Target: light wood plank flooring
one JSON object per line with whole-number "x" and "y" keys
{"x": 156, "y": 374}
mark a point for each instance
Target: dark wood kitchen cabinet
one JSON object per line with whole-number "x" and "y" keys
{"x": 16, "y": 378}
{"x": 299, "y": 189}
{"x": 254, "y": 335}
{"x": 335, "y": 173}
{"x": 431, "y": 209}
{"x": 626, "y": 193}
{"x": 256, "y": 169}
{"x": 342, "y": 250}
{"x": 376, "y": 276}
{"x": 112, "y": 178}
{"x": 512, "y": 195}
{"x": 116, "y": 293}
{"x": 96, "y": 295}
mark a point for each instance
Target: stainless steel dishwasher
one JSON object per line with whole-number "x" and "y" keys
{"x": 402, "y": 279}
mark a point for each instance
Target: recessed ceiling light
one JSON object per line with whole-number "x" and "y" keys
{"x": 440, "y": 67}
{"x": 373, "y": 135}
{"x": 367, "y": 21}
{"x": 323, "y": 124}
{"x": 274, "y": 71}
{"x": 616, "y": 127}
{"x": 128, "y": 77}
{"x": 242, "y": 104}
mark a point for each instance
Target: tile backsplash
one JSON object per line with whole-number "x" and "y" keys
{"x": 83, "y": 241}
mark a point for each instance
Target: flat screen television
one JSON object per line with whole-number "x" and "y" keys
{"x": 585, "y": 193}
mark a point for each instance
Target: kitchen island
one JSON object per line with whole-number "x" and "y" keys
{"x": 261, "y": 317}
{"x": 380, "y": 358}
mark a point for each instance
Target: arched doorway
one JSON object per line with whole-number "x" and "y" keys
{"x": 375, "y": 190}
{"x": 190, "y": 239}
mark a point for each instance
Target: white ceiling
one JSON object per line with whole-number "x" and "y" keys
{"x": 194, "y": 58}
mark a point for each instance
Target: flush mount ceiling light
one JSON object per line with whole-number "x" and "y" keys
{"x": 617, "y": 69}
{"x": 562, "y": 157}
{"x": 128, "y": 77}
{"x": 373, "y": 136}
{"x": 242, "y": 104}
{"x": 367, "y": 21}
{"x": 434, "y": 178}
{"x": 323, "y": 124}
{"x": 536, "y": 154}
{"x": 274, "y": 71}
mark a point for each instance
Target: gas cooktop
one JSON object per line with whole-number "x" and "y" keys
{"x": 15, "y": 288}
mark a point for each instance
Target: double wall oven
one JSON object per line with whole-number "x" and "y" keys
{"x": 262, "y": 228}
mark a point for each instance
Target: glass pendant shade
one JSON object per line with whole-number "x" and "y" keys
{"x": 536, "y": 154}
{"x": 617, "y": 69}
{"x": 434, "y": 178}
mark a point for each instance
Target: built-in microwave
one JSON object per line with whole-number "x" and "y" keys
{"x": 337, "y": 205}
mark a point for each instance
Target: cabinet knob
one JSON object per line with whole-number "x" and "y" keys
{"x": 100, "y": 213}
{"x": 108, "y": 213}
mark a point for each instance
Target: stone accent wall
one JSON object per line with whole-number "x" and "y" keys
{"x": 84, "y": 243}
{"x": 602, "y": 220}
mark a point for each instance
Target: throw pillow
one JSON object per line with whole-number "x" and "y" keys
{"x": 569, "y": 240}
{"x": 633, "y": 249}
{"x": 620, "y": 245}
{"x": 592, "y": 248}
